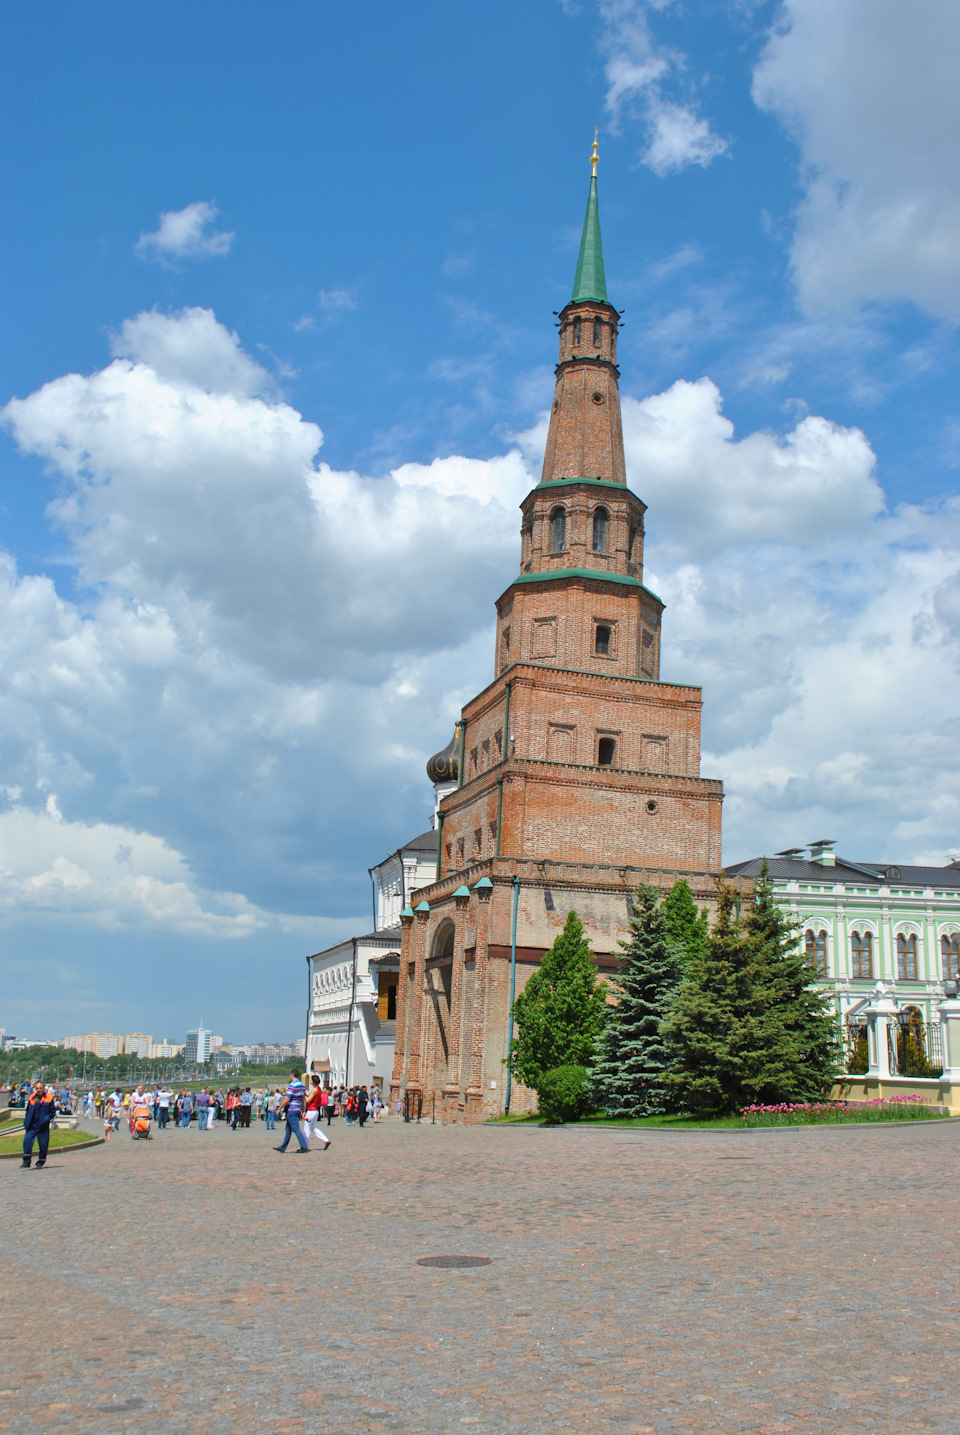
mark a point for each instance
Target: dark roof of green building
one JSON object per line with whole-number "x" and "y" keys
{"x": 590, "y": 281}
{"x": 862, "y": 874}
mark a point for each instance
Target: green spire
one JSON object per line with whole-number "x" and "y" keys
{"x": 590, "y": 281}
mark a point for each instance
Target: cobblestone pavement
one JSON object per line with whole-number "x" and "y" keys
{"x": 752, "y": 1282}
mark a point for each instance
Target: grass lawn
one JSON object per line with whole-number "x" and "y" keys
{"x": 57, "y": 1138}
{"x": 685, "y": 1122}
{"x": 720, "y": 1123}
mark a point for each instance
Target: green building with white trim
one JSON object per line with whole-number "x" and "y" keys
{"x": 866, "y": 922}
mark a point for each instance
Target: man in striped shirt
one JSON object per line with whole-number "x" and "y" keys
{"x": 292, "y": 1108}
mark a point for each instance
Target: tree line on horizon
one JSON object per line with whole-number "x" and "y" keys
{"x": 698, "y": 1020}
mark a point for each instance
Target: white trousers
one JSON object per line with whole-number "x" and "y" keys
{"x": 310, "y": 1124}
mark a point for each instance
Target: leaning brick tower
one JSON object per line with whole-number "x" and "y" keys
{"x": 578, "y": 773}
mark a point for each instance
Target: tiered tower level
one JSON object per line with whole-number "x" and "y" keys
{"x": 579, "y": 770}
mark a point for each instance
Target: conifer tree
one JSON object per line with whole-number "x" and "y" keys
{"x": 711, "y": 1023}
{"x": 802, "y": 1009}
{"x": 631, "y": 1060}
{"x": 685, "y": 927}
{"x": 742, "y": 1026}
{"x": 560, "y": 1013}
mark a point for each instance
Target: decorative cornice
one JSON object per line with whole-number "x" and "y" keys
{"x": 601, "y": 482}
{"x": 593, "y": 575}
{"x": 588, "y": 359}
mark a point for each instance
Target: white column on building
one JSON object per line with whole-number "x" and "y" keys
{"x": 931, "y": 957}
{"x": 888, "y": 969}
{"x": 881, "y": 1011}
{"x": 949, "y": 1012}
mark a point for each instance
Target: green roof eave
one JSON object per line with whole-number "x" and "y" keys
{"x": 590, "y": 281}
{"x": 561, "y": 482}
{"x": 596, "y": 574}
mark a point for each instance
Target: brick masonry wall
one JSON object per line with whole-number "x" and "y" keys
{"x": 548, "y": 892}
{"x": 556, "y": 622}
{"x": 585, "y": 437}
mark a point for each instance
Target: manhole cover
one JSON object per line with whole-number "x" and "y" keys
{"x": 453, "y": 1263}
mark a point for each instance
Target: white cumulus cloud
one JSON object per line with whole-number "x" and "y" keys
{"x": 263, "y": 650}
{"x": 186, "y": 234}
{"x": 637, "y": 73}
{"x": 868, "y": 89}
{"x": 108, "y": 876}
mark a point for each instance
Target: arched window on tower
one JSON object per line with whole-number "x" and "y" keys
{"x": 601, "y": 522}
{"x": 558, "y": 530}
{"x": 596, "y": 333}
{"x": 950, "y": 956}
{"x": 576, "y": 333}
{"x": 861, "y": 952}
{"x": 602, "y": 641}
{"x": 906, "y": 958}
{"x": 815, "y": 951}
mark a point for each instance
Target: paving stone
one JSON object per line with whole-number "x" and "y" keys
{"x": 638, "y": 1282}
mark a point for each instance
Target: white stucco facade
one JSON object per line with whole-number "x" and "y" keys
{"x": 351, "y": 1022}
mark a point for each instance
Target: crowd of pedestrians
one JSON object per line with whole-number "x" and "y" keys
{"x": 303, "y": 1109}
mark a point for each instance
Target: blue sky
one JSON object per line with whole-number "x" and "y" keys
{"x": 277, "y": 293}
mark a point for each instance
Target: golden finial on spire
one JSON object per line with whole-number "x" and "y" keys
{"x": 595, "y": 156}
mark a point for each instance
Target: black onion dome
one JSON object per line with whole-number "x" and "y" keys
{"x": 445, "y": 766}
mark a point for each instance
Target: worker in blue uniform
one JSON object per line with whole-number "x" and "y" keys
{"x": 37, "y": 1118}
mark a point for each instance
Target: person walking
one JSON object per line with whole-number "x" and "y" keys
{"x": 292, "y": 1106}
{"x": 363, "y": 1106}
{"x": 186, "y": 1109}
{"x": 376, "y": 1105}
{"x": 164, "y": 1097}
{"x": 312, "y": 1112}
{"x": 273, "y": 1101}
{"x": 40, "y": 1110}
{"x": 203, "y": 1109}
{"x": 326, "y": 1104}
{"x": 246, "y": 1106}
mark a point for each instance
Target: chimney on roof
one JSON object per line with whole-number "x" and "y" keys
{"x": 822, "y": 852}
{"x": 796, "y": 854}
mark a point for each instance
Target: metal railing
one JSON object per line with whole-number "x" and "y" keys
{"x": 856, "y": 1050}
{"x": 917, "y": 1049}
{"x": 913, "y": 1050}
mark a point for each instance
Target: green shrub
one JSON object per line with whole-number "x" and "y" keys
{"x": 564, "y": 1094}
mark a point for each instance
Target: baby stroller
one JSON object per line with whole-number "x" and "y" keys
{"x": 140, "y": 1121}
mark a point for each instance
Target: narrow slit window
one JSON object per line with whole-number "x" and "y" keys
{"x": 596, "y": 333}
{"x": 602, "y": 644}
{"x": 558, "y": 530}
{"x": 601, "y": 522}
{"x": 606, "y": 751}
{"x": 576, "y": 333}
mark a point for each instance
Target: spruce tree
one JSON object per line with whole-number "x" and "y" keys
{"x": 631, "y": 1060}
{"x": 686, "y": 928}
{"x": 560, "y": 1013}
{"x": 802, "y": 1009}
{"x": 743, "y": 1025}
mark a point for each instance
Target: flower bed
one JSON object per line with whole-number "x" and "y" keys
{"x": 825, "y": 1113}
